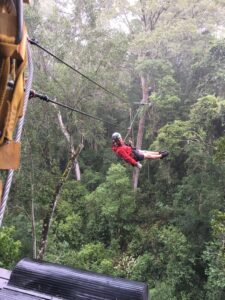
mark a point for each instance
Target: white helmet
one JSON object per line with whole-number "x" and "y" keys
{"x": 116, "y": 136}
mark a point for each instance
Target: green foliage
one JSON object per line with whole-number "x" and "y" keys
{"x": 69, "y": 229}
{"x": 70, "y": 215}
{"x": 161, "y": 233}
{"x": 93, "y": 256}
{"x": 9, "y": 248}
{"x": 215, "y": 258}
{"x": 210, "y": 70}
{"x": 172, "y": 137}
{"x": 169, "y": 251}
{"x": 111, "y": 207}
{"x": 91, "y": 179}
{"x": 206, "y": 111}
{"x": 219, "y": 149}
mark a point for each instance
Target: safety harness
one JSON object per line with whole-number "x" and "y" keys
{"x": 13, "y": 60}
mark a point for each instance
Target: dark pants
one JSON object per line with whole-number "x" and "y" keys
{"x": 137, "y": 155}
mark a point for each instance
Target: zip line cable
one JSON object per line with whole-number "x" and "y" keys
{"x": 135, "y": 116}
{"x": 131, "y": 124}
{"x": 47, "y": 99}
{"x": 34, "y": 42}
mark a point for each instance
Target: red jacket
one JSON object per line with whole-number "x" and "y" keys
{"x": 125, "y": 152}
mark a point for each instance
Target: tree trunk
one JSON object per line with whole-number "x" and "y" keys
{"x": 33, "y": 222}
{"x": 76, "y": 168}
{"x": 49, "y": 216}
{"x": 141, "y": 126}
{"x": 65, "y": 132}
{"x": 34, "y": 240}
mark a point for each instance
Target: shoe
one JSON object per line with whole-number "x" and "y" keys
{"x": 163, "y": 154}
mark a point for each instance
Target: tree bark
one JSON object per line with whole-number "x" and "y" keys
{"x": 65, "y": 132}
{"x": 72, "y": 163}
{"x": 52, "y": 206}
{"x": 34, "y": 240}
{"x": 33, "y": 222}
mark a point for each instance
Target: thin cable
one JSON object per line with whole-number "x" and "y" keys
{"x": 47, "y": 99}
{"x": 131, "y": 124}
{"x": 34, "y": 42}
{"x": 9, "y": 177}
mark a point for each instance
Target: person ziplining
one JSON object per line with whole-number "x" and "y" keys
{"x": 132, "y": 155}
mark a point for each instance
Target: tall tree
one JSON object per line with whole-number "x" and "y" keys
{"x": 153, "y": 29}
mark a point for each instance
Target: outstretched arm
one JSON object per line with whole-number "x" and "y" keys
{"x": 123, "y": 154}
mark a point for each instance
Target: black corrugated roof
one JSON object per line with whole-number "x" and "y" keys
{"x": 36, "y": 280}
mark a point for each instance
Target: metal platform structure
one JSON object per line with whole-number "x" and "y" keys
{"x": 37, "y": 280}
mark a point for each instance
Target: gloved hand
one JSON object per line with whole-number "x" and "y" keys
{"x": 139, "y": 166}
{"x": 130, "y": 143}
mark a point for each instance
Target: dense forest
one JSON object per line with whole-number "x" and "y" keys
{"x": 163, "y": 225}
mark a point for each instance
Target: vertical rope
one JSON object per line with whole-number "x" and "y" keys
{"x": 18, "y": 134}
{"x": 131, "y": 124}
